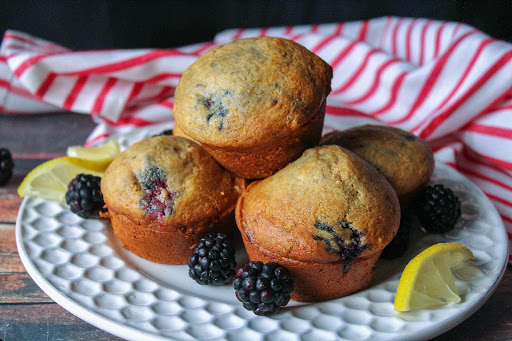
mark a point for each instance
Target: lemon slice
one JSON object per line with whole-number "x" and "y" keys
{"x": 427, "y": 280}
{"x": 104, "y": 154}
{"x": 50, "y": 179}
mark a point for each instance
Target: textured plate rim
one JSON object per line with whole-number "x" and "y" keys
{"x": 69, "y": 304}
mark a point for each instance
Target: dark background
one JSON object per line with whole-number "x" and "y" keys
{"x": 98, "y": 24}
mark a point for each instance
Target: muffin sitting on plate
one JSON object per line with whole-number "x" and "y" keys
{"x": 326, "y": 217}
{"x": 164, "y": 193}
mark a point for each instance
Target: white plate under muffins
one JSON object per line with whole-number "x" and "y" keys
{"x": 81, "y": 265}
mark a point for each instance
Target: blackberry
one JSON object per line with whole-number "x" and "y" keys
{"x": 84, "y": 196}
{"x": 213, "y": 260}
{"x": 397, "y": 247}
{"x": 6, "y": 166}
{"x": 438, "y": 209}
{"x": 263, "y": 288}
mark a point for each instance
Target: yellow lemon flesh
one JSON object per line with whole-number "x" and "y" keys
{"x": 50, "y": 179}
{"x": 103, "y": 155}
{"x": 427, "y": 280}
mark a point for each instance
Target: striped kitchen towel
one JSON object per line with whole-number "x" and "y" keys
{"x": 444, "y": 81}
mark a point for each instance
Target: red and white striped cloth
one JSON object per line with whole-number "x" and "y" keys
{"x": 446, "y": 82}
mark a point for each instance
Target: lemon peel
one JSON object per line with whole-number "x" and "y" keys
{"x": 427, "y": 280}
{"x": 103, "y": 154}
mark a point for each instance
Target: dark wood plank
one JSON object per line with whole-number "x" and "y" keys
{"x": 46, "y": 322}
{"x": 29, "y": 136}
{"x": 9, "y": 199}
{"x": 33, "y": 139}
{"x": 16, "y": 286}
{"x": 20, "y": 288}
{"x": 9, "y": 259}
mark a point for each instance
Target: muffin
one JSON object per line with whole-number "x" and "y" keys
{"x": 326, "y": 217}
{"x": 164, "y": 193}
{"x": 255, "y": 104}
{"x": 177, "y": 131}
{"x": 404, "y": 159}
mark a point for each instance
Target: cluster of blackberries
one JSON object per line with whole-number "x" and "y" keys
{"x": 438, "y": 210}
{"x": 6, "y": 166}
{"x": 213, "y": 261}
{"x": 262, "y": 288}
{"x": 84, "y": 196}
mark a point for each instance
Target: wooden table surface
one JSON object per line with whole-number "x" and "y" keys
{"x": 27, "y": 313}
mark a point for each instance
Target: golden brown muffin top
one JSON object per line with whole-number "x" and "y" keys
{"x": 169, "y": 179}
{"x": 251, "y": 90}
{"x": 404, "y": 159}
{"x": 327, "y": 205}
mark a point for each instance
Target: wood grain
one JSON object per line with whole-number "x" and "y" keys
{"x": 20, "y": 288}
{"x": 46, "y": 322}
{"x": 10, "y": 261}
{"x": 34, "y": 136}
{"x": 10, "y": 200}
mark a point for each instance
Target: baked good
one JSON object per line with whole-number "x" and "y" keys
{"x": 404, "y": 159}
{"x": 255, "y": 104}
{"x": 164, "y": 193}
{"x": 326, "y": 217}
{"x": 177, "y": 131}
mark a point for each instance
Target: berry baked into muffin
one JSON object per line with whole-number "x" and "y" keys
{"x": 326, "y": 217}
{"x": 164, "y": 193}
{"x": 404, "y": 159}
{"x": 255, "y": 104}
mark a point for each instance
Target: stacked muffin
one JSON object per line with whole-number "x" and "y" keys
{"x": 254, "y": 104}
{"x": 255, "y": 109}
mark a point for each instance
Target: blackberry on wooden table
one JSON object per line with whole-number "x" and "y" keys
{"x": 6, "y": 166}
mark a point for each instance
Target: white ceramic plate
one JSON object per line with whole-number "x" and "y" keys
{"x": 81, "y": 265}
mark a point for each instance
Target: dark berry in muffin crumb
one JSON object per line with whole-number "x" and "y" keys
{"x": 438, "y": 209}
{"x": 334, "y": 243}
{"x": 215, "y": 107}
{"x": 263, "y": 288}
{"x": 157, "y": 200}
{"x": 213, "y": 261}
{"x": 84, "y": 196}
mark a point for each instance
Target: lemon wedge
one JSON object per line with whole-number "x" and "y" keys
{"x": 50, "y": 179}
{"x": 104, "y": 154}
{"x": 427, "y": 280}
